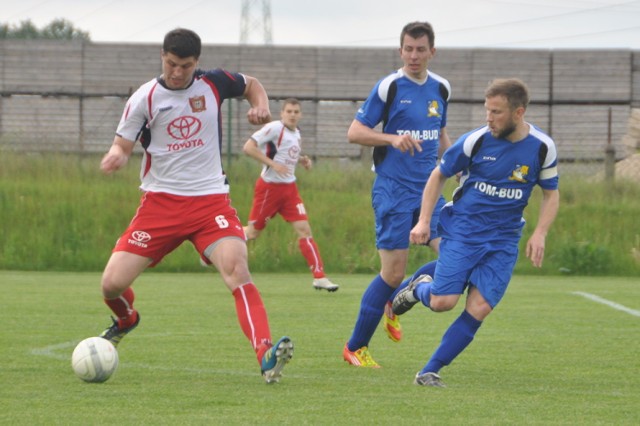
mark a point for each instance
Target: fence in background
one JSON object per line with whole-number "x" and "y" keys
{"x": 68, "y": 96}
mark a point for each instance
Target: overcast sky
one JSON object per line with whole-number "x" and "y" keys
{"x": 512, "y": 24}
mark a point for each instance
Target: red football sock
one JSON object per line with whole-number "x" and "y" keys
{"x": 309, "y": 250}
{"x": 253, "y": 318}
{"x": 122, "y": 306}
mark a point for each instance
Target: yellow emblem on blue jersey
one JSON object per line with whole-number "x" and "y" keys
{"x": 433, "y": 110}
{"x": 519, "y": 174}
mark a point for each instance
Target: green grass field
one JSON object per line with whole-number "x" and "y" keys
{"x": 545, "y": 356}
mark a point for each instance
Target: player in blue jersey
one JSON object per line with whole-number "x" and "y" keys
{"x": 500, "y": 164}
{"x": 411, "y": 104}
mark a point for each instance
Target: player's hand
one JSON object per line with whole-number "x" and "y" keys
{"x": 535, "y": 249}
{"x": 420, "y": 233}
{"x": 257, "y": 115}
{"x": 281, "y": 169}
{"x": 306, "y": 162}
{"x": 406, "y": 143}
{"x": 112, "y": 162}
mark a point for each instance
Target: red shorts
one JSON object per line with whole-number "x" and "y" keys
{"x": 270, "y": 199}
{"x": 164, "y": 221}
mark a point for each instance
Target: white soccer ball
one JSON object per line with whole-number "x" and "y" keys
{"x": 94, "y": 359}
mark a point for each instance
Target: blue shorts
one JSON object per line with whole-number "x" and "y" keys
{"x": 487, "y": 266}
{"x": 396, "y": 212}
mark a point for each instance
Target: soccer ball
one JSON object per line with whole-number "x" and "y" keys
{"x": 94, "y": 359}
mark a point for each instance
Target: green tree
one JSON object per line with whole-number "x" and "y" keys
{"x": 26, "y": 30}
{"x": 61, "y": 29}
{"x": 58, "y": 29}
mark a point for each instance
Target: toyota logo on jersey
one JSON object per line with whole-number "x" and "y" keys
{"x": 294, "y": 151}
{"x": 184, "y": 128}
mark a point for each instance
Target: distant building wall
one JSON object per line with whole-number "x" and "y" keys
{"x": 69, "y": 96}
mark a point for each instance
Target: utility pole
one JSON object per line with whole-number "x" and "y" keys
{"x": 256, "y": 18}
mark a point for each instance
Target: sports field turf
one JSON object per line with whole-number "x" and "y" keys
{"x": 547, "y": 355}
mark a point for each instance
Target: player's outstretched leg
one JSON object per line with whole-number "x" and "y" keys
{"x": 391, "y": 321}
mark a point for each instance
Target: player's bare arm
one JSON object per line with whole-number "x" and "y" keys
{"x": 422, "y": 230}
{"x": 251, "y": 149}
{"x": 362, "y": 135}
{"x": 117, "y": 156}
{"x": 259, "y": 100}
{"x": 548, "y": 211}
{"x": 445, "y": 142}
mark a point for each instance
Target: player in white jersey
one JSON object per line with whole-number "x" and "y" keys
{"x": 176, "y": 117}
{"x": 500, "y": 164}
{"x": 277, "y": 147}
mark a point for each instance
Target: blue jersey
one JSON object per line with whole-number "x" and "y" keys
{"x": 497, "y": 179}
{"x": 404, "y": 106}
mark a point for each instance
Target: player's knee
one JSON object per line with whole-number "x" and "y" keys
{"x": 303, "y": 234}
{"x": 302, "y": 228}
{"x": 236, "y": 276}
{"x": 112, "y": 287}
{"x": 442, "y": 303}
{"x": 393, "y": 279}
{"x": 479, "y": 310}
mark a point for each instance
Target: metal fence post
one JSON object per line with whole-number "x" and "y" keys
{"x": 609, "y": 155}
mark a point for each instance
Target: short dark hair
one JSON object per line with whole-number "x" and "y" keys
{"x": 417, "y": 30}
{"x": 290, "y": 101}
{"x": 513, "y": 89}
{"x": 183, "y": 43}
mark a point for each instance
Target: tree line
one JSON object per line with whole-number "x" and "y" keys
{"x": 58, "y": 29}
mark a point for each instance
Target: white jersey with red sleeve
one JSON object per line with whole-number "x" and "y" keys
{"x": 282, "y": 145}
{"x": 181, "y": 132}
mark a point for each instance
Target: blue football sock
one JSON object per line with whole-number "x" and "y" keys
{"x": 454, "y": 341}
{"x": 428, "y": 268}
{"x": 371, "y": 310}
{"x": 422, "y": 292}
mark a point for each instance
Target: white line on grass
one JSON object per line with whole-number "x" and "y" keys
{"x": 609, "y": 303}
{"x": 61, "y": 351}
{"x": 50, "y": 351}
{"x": 55, "y": 352}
